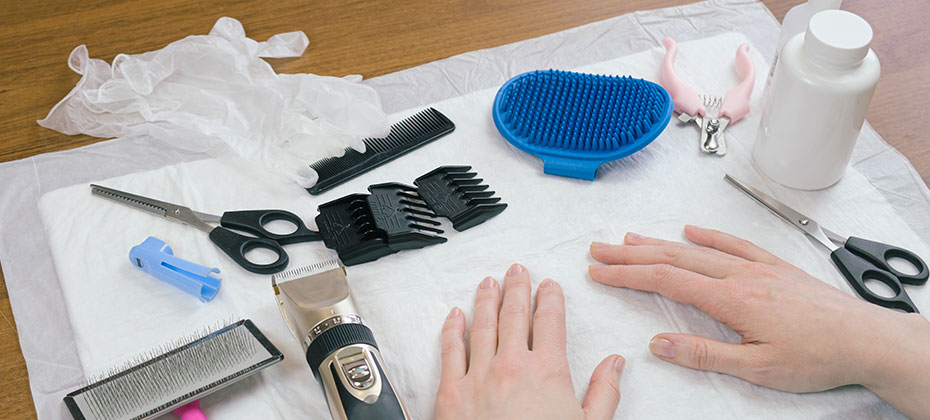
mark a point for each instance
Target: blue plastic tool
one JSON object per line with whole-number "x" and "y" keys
{"x": 575, "y": 122}
{"x": 155, "y": 257}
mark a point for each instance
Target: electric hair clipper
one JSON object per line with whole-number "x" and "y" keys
{"x": 317, "y": 306}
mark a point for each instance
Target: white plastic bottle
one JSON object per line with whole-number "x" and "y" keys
{"x": 817, "y": 102}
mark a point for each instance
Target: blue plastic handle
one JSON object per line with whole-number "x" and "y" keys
{"x": 154, "y": 256}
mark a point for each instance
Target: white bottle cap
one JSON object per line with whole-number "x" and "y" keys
{"x": 838, "y": 38}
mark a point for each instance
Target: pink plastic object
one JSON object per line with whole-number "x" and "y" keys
{"x": 736, "y": 103}
{"x": 685, "y": 98}
{"x": 190, "y": 411}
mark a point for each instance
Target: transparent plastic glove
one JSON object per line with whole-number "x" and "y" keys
{"x": 208, "y": 90}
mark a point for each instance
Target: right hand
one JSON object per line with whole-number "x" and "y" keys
{"x": 799, "y": 334}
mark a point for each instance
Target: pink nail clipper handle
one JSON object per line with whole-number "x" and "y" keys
{"x": 736, "y": 103}
{"x": 190, "y": 411}
{"x": 685, "y": 98}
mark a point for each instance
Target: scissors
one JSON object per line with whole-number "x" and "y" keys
{"x": 859, "y": 260}
{"x": 693, "y": 107}
{"x": 233, "y": 244}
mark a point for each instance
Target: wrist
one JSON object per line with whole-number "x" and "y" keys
{"x": 898, "y": 363}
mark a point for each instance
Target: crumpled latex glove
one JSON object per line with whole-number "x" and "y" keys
{"x": 206, "y": 89}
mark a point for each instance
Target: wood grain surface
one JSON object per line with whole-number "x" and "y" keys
{"x": 370, "y": 38}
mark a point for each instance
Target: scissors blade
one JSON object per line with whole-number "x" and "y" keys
{"x": 164, "y": 209}
{"x": 797, "y": 219}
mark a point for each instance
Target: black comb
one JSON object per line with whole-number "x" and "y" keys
{"x": 406, "y": 135}
{"x": 454, "y": 192}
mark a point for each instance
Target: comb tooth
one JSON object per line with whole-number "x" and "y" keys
{"x": 471, "y": 188}
{"x": 421, "y": 212}
{"x": 483, "y": 201}
{"x": 481, "y": 194}
{"x": 426, "y": 228}
{"x": 468, "y": 181}
{"x": 422, "y": 220}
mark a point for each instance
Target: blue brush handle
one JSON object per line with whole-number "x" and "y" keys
{"x": 572, "y": 168}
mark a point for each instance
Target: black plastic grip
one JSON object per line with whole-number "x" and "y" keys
{"x": 254, "y": 221}
{"x": 857, "y": 270}
{"x": 236, "y": 246}
{"x": 334, "y": 339}
{"x": 878, "y": 254}
{"x": 387, "y": 407}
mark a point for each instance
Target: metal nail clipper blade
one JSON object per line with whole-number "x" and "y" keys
{"x": 317, "y": 306}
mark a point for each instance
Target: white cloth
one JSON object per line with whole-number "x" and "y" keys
{"x": 204, "y": 92}
{"x": 117, "y": 312}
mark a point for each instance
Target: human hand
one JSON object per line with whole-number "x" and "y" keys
{"x": 513, "y": 372}
{"x": 798, "y": 333}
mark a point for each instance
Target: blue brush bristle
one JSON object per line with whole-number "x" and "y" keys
{"x": 575, "y": 121}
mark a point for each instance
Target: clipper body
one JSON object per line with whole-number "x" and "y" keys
{"x": 317, "y": 306}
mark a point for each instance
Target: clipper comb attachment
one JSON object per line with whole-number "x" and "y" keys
{"x": 454, "y": 193}
{"x": 363, "y": 227}
{"x": 348, "y": 226}
{"x": 403, "y": 216}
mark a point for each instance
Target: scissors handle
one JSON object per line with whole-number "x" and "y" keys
{"x": 878, "y": 254}
{"x": 236, "y": 246}
{"x": 857, "y": 271}
{"x": 254, "y": 221}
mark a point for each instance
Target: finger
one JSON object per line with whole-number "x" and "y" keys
{"x": 667, "y": 280}
{"x": 702, "y": 353}
{"x": 549, "y": 319}
{"x": 514, "y": 330}
{"x": 702, "y": 260}
{"x": 483, "y": 333}
{"x": 730, "y": 244}
{"x": 453, "y": 347}
{"x": 603, "y": 395}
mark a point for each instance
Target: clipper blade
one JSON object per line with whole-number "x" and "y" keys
{"x": 455, "y": 193}
{"x": 307, "y": 270}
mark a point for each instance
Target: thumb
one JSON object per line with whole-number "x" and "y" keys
{"x": 603, "y": 395}
{"x": 701, "y": 353}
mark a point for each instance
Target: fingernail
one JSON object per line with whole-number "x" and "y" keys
{"x": 596, "y": 268}
{"x": 632, "y": 237}
{"x": 454, "y": 313}
{"x": 487, "y": 283}
{"x": 515, "y": 269}
{"x": 662, "y": 347}
{"x": 546, "y": 283}
{"x": 599, "y": 245}
{"x": 619, "y": 363}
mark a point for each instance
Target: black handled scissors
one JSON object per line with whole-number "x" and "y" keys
{"x": 233, "y": 244}
{"x": 859, "y": 260}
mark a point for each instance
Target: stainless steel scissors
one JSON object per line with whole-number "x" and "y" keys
{"x": 859, "y": 260}
{"x": 233, "y": 244}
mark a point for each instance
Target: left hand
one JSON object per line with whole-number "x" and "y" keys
{"x": 509, "y": 375}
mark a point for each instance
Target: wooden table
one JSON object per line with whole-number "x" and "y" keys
{"x": 370, "y": 38}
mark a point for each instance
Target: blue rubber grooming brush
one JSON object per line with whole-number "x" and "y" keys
{"x": 575, "y": 122}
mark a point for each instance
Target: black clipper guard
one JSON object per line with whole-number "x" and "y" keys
{"x": 347, "y": 226}
{"x": 363, "y": 227}
{"x": 454, "y": 193}
{"x": 403, "y": 216}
